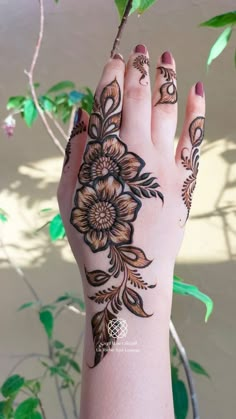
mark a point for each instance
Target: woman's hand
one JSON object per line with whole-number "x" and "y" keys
{"x": 125, "y": 196}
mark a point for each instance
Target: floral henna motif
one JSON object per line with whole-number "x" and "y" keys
{"x": 105, "y": 208}
{"x": 190, "y": 160}
{"x": 168, "y": 90}
{"x": 139, "y": 63}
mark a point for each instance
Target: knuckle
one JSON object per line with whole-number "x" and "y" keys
{"x": 137, "y": 93}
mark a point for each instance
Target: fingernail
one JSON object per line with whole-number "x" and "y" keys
{"x": 78, "y": 115}
{"x": 141, "y": 49}
{"x": 118, "y": 57}
{"x": 166, "y": 58}
{"x": 199, "y": 89}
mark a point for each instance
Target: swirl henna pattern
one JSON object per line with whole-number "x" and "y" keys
{"x": 77, "y": 129}
{"x": 139, "y": 63}
{"x": 105, "y": 208}
{"x": 190, "y": 160}
{"x": 168, "y": 89}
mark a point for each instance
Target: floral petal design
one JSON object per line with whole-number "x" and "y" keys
{"x": 97, "y": 240}
{"x": 112, "y": 124}
{"x": 121, "y": 233}
{"x": 108, "y": 188}
{"x": 128, "y": 207}
{"x": 131, "y": 165}
{"x": 79, "y": 220}
{"x": 85, "y": 173}
{"x": 113, "y": 147}
{"x": 95, "y": 126}
{"x": 85, "y": 197}
{"x": 110, "y": 98}
{"x": 92, "y": 152}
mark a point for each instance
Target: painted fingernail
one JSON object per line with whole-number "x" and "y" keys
{"x": 78, "y": 115}
{"x": 199, "y": 89}
{"x": 141, "y": 49}
{"x": 118, "y": 57}
{"x": 166, "y": 58}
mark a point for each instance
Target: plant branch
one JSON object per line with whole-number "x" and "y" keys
{"x": 121, "y": 28}
{"x": 60, "y": 129}
{"x": 30, "y": 75}
{"x": 41, "y": 408}
{"x": 185, "y": 362}
{"x": 57, "y": 385}
{"x": 19, "y": 271}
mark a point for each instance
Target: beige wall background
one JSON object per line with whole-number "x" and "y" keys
{"x": 78, "y": 36}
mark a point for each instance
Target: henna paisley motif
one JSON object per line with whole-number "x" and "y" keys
{"x": 190, "y": 160}
{"x": 168, "y": 90}
{"x": 106, "y": 206}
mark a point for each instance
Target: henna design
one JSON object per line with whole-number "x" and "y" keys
{"x": 77, "y": 129}
{"x": 168, "y": 90}
{"x": 139, "y": 63}
{"x": 190, "y": 160}
{"x": 105, "y": 207}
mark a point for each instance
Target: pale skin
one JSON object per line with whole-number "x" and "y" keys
{"x": 126, "y": 384}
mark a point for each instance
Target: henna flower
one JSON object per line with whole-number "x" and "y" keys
{"x": 109, "y": 157}
{"x": 104, "y": 213}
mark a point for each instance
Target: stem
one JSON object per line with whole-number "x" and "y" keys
{"x": 60, "y": 129}
{"x": 185, "y": 362}
{"x": 24, "y": 358}
{"x": 30, "y": 75}
{"x": 57, "y": 385}
{"x": 19, "y": 271}
{"x": 41, "y": 408}
{"x": 121, "y": 28}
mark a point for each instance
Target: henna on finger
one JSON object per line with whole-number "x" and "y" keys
{"x": 79, "y": 128}
{"x": 106, "y": 206}
{"x": 139, "y": 63}
{"x": 190, "y": 160}
{"x": 168, "y": 89}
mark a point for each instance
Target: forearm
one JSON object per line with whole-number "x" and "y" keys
{"x": 134, "y": 377}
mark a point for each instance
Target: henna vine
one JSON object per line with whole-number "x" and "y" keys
{"x": 105, "y": 208}
{"x": 77, "y": 129}
{"x": 190, "y": 160}
{"x": 168, "y": 90}
{"x": 139, "y": 63}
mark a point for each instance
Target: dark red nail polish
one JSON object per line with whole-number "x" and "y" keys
{"x": 141, "y": 49}
{"x": 166, "y": 58}
{"x": 118, "y": 57}
{"x": 199, "y": 89}
{"x": 78, "y": 115}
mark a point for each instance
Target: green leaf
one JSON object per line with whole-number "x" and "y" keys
{"x": 138, "y": 5}
{"x": 198, "y": 369}
{"x": 72, "y": 298}
{"x": 62, "y": 373}
{"x": 56, "y": 228}
{"x": 3, "y": 216}
{"x": 144, "y": 5}
{"x": 235, "y": 59}
{"x": 180, "y": 397}
{"x": 36, "y": 85}
{"x": 28, "y": 304}
{"x": 87, "y": 101}
{"x": 74, "y": 365}
{"x": 58, "y": 344}
{"x": 221, "y": 20}
{"x": 26, "y": 409}
{"x": 191, "y": 290}
{"x": 33, "y": 385}
{"x": 173, "y": 351}
{"x": 47, "y": 321}
{"x": 30, "y": 112}
{"x": 12, "y": 385}
{"x": 219, "y": 45}
{"x": 46, "y": 210}
{"x": 6, "y": 409}
{"x": 15, "y": 102}
{"x": 75, "y": 97}
{"x": 61, "y": 99}
{"x": 62, "y": 85}
{"x": 46, "y": 103}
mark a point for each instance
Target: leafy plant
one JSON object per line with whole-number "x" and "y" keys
{"x": 228, "y": 20}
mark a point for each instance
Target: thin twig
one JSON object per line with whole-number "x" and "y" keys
{"x": 30, "y": 75}
{"x": 185, "y": 362}
{"x": 41, "y": 408}
{"x": 121, "y": 28}
{"x": 60, "y": 129}
{"x": 19, "y": 271}
{"x": 23, "y": 359}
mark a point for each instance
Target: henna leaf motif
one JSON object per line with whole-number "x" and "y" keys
{"x": 196, "y": 131}
{"x": 145, "y": 186}
{"x": 101, "y": 338}
{"x": 136, "y": 280}
{"x": 168, "y": 90}
{"x": 110, "y": 98}
{"x": 112, "y": 124}
{"x": 112, "y": 295}
{"x": 134, "y": 256}
{"x": 97, "y": 277}
{"x": 134, "y": 302}
{"x": 95, "y": 126}
{"x": 187, "y": 191}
